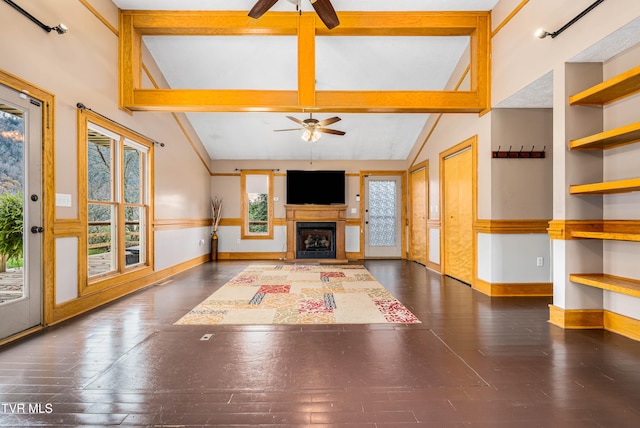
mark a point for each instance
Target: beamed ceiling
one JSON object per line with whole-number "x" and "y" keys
{"x": 383, "y": 70}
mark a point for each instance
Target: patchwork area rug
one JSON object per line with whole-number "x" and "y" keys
{"x": 300, "y": 294}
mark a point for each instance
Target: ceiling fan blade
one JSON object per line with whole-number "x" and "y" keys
{"x": 330, "y": 131}
{"x": 261, "y": 7}
{"x": 329, "y": 121}
{"x": 296, "y": 120}
{"x": 292, "y": 129}
{"x": 326, "y": 12}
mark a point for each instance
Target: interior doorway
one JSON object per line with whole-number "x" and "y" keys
{"x": 21, "y": 193}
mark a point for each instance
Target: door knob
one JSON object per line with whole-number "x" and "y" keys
{"x": 37, "y": 229}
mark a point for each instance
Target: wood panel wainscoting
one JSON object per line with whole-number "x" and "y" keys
{"x": 531, "y": 289}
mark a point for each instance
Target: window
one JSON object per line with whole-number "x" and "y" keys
{"x": 118, "y": 198}
{"x": 257, "y": 209}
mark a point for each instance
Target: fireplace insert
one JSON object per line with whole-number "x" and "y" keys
{"x": 315, "y": 240}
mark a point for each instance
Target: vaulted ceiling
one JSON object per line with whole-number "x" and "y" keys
{"x": 341, "y": 63}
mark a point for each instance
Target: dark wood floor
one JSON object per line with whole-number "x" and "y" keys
{"x": 474, "y": 361}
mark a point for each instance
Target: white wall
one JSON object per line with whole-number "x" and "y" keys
{"x": 522, "y": 188}
{"x": 230, "y": 241}
{"x": 352, "y": 239}
{"x": 512, "y": 258}
{"x": 434, "y": 246}
{"x": 181, "y": 245}
{"x": 66, "y": 273}
{"x": 565, "y": 293}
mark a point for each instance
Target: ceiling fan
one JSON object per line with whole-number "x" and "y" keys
{"x": 323, "y": 8}
{"x": 313, "y": 127}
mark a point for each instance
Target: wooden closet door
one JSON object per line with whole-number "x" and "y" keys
{"x": 418, "y": 198}
{"x": 458, "y": 216}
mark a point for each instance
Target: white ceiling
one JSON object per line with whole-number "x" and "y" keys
{"x": 355, "y": 63}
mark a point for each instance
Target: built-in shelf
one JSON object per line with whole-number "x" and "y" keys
{"x": 604, "y": 281}
{"x": 618, "y": 186}
{"x": 613, "y": 236}
{"x": 627, "y": 134}
{"x": 610, "y": 90}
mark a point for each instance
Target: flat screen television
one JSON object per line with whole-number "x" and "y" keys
{"x": 315, "y": 187}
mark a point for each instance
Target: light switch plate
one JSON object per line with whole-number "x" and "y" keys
{"x": 63, "y": 200}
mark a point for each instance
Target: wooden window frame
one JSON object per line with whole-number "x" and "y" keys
{"x": 245, "y": 234}
{"x": 122, "y": 274}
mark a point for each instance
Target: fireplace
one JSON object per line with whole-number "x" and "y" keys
{"x": 315, "y": 240}
{"x": 319, "y": 217}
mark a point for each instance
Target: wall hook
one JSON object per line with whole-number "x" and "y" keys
{"x": 521, "y": 154}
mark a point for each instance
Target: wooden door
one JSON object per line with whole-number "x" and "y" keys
{"x": 458, "y": 215}
{"x": 418, "y": 204}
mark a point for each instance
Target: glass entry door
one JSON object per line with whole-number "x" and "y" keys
{"x": 20, "y": 212}
{"x": 383, "y": 216}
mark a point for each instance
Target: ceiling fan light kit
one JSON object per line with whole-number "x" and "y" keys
{"x": 313, "y": 127}
{"x": 323, "y": 8}
{"x": 310, "y": 135}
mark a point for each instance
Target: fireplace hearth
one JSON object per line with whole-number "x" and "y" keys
{"x": 315, "y": 240}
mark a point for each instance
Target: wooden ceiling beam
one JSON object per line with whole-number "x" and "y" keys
{"x": 136, "y": 24}
{"x": 202, "y": 100}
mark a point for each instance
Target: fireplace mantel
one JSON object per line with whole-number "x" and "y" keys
{"x": 317, "y": 213}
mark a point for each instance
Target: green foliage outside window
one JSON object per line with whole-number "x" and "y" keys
{"x": 259, "y": 214}
{"x": 100, "y": 188}
{"x": 11, "y": 153}
{"x": 11, "y": 228}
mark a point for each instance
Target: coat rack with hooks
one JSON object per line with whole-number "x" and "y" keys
{"x": 521, "y": 154}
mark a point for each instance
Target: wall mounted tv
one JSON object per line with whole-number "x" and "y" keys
{"x": 315, "y": 187}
